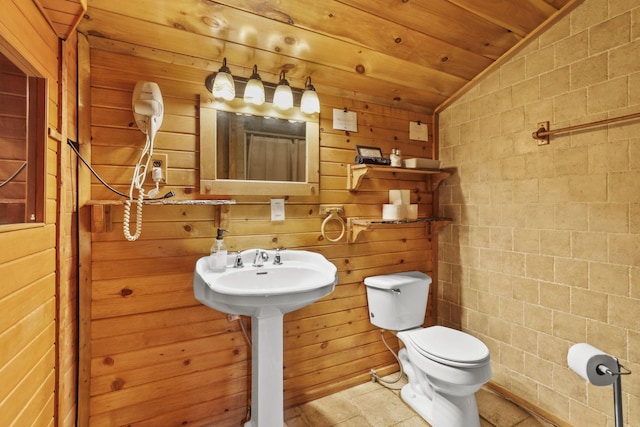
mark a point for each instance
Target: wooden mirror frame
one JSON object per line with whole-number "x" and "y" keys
{"x": 210, "y": 186}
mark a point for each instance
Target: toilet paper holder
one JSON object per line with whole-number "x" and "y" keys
{"x": 599, "y": 363}
{"x": 617, "y": 388}
{"x": 604, "y": 370}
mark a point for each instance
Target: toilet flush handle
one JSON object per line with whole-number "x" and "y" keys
{"x": 395, "y": 291}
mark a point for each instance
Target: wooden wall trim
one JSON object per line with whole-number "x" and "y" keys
{"x": 67, "y": 236}
{"x": 527, "y": 405}
{"x": 84, "y": 225}
{"x": 57, "y": 135}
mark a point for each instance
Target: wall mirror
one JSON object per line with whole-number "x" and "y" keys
{"x": 23, "y": 101}
{"x": 257, "y": 150}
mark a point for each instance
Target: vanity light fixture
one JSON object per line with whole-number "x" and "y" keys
{"x": 283, "y": 97}
{"x": 222, "y": 85}
{"x": 254, "y": 91}
{"x": 309, "y": 104}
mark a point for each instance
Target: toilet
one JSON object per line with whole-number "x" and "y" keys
{"x": 444, "y": 366}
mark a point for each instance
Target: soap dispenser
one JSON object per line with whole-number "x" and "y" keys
{"x": 218, "y": 257}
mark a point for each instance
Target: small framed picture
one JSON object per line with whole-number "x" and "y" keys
{"x": 369, "y": 151}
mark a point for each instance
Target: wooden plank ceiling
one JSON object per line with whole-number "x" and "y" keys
{"x": 63, "y": 15}
{"x": 410, "y": 54}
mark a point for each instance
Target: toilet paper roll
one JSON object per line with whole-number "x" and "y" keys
{"x": 399, "y": 197}
{"x": 412, "y": 211}
{"x": 393, "y": 212}
{"x": 584, "y": 360}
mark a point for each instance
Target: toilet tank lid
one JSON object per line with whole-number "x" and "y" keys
{"x": 390, "y": 281}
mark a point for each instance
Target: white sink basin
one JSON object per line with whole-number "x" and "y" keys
{"x": 302, "y": 278}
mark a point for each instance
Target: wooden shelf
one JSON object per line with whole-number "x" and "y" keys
{"x": 356, "y": 226}
{"x": 102, "y": 212}
{"x": 355, "y": 174}
{"x": 165, "y": 202}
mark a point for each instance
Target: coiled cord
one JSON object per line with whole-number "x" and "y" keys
{"x": 137, "y": 182}
{"x": 127, "y": 216}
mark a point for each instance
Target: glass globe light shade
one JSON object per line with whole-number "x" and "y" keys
{"x": 310, "y": 103}
{"x": 254, "y": 91}
{"x": 223, "y": 85}
{"x": 283, "y": 96}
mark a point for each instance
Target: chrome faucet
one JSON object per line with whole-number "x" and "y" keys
{"x": 276, "y": 258}
{"x": 260, "y": 258}
{"x": 238, "y": 262}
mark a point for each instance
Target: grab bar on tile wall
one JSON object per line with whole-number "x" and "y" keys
{"x": 543, "y": 133}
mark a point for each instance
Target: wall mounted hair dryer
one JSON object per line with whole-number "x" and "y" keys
{"x": 147, "y": 106}
{"x": 148, "y": 111}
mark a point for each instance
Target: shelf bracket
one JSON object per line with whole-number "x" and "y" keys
{"x": 354, "y": 177}
{"x": 434, "y": 226}
{"x": 355, "y": 228}
{"x": 101, "y": 218}
{"x": 437, "y": 178}
{"x": 222, "y": 213}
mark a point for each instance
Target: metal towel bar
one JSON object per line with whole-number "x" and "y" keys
{"x": 543, "y": 133}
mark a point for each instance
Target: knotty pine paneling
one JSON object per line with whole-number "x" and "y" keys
{"x": 29, "y": 361}
{"x": 156, "y": 353}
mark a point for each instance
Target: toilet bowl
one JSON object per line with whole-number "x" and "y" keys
{"x": 444, "y": 366}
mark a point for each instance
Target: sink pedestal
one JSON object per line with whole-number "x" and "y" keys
{"x": 265, "y": 293}
{"x": 267, "y": 383}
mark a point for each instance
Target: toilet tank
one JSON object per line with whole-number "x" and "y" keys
{"x": 398, "y": 301}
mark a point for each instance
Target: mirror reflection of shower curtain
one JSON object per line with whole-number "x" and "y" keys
{"x": 272, "y": 158}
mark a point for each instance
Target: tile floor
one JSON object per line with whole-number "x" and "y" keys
{"x": 373, "y": 405}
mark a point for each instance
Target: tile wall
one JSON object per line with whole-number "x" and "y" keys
{"x": 544, "y": 249}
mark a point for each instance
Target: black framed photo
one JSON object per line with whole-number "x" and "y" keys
{"x": 365, "y": 151}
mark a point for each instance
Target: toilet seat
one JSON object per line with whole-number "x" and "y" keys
{"x": 449, "y": 346}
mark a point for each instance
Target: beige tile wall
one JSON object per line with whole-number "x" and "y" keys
{"x": 544, "y": 249}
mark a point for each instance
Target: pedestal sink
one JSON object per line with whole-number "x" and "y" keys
{"x": 265, "y": 293}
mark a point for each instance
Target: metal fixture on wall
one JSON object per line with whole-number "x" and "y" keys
{"x": 223, "y": 85}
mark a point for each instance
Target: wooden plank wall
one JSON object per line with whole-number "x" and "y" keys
{"x": 67, "y": 256}
{"x": 32, "y": 344}
{"x": 158, "y": 357}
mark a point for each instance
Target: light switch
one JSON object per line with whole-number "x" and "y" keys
{"x": 277, "y": 209}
